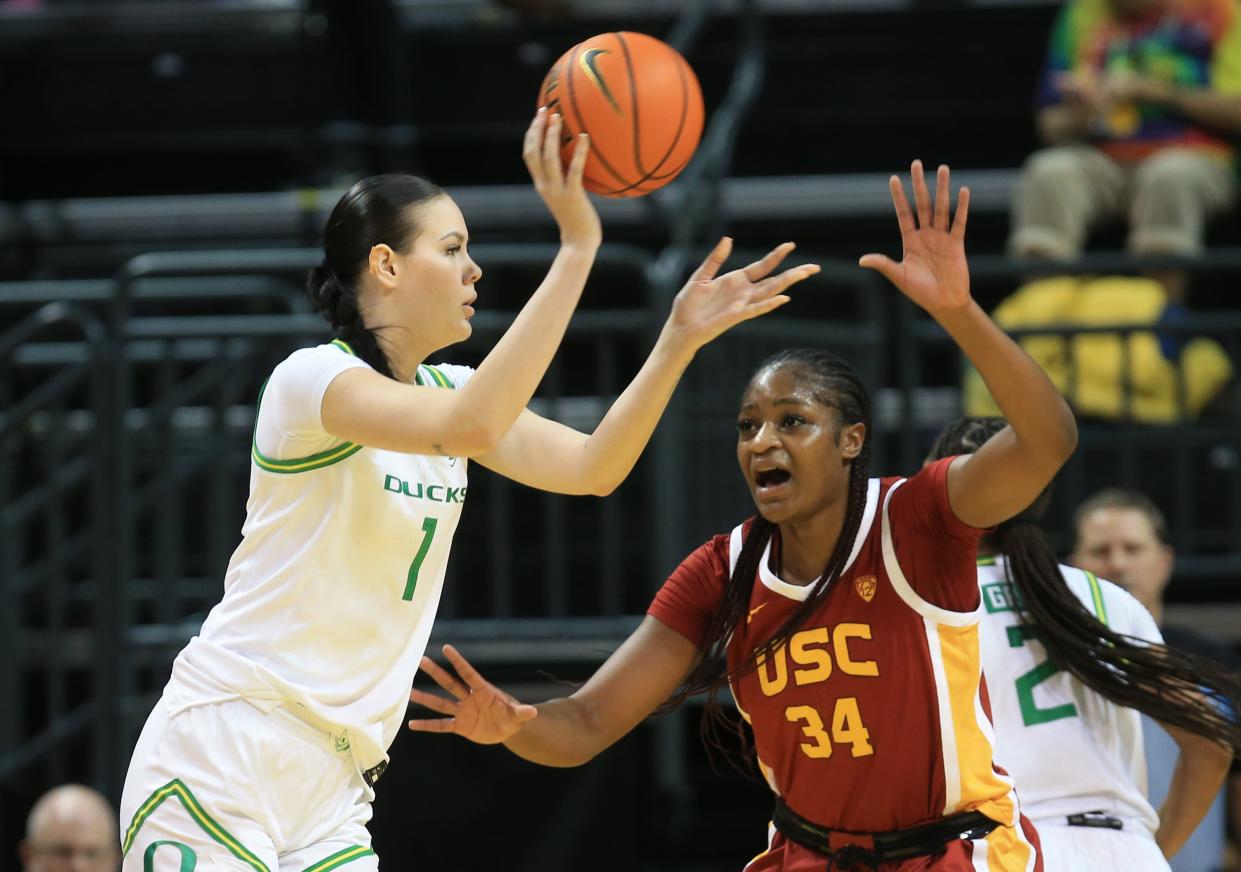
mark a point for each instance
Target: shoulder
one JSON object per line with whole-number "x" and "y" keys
{"x": 315, "y": 361}
{"x": 1111, "y": 604}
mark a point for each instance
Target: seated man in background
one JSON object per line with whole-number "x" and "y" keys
{"x": 1122, "y": 536}
{"x": 1139, "y": 102}
{"x": 71, "y": 827}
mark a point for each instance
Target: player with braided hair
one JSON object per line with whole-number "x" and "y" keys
{"x": 1071, "y": 660}
{"x": 264, "y": 749}
{"x": 844, "y": 617}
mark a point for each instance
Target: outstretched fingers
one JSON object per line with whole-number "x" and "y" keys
{"x": 706, "y": 272}
{"x": 963, "y": 212}
{"x": 468, "y": 673}
{"x": 441, "y": 677}
{"x": 776, "y": 284}
{"x": 942, "y": 196}
{"x": 433, "y": 702}
{"x": 922, "y": 196}
{"x": 763, "y": 267}
{"x": 881, "y": 264}
{"x": 904, "y": 215}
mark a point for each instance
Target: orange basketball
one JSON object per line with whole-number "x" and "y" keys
{"x": 639, "y": 101}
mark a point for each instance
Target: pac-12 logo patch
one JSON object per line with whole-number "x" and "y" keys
{"x": 866, "y": 586}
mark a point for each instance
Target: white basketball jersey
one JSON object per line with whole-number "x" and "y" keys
{"x": 329, "y": 598}
{"x": 1068, "y": 749}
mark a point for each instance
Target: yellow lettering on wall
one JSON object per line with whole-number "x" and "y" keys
{"x": 819, "y": 661}
{"x": 840, "y": 643}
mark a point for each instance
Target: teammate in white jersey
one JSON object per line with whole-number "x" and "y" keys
{"x": 1071, "y": 663}
{"x": 263, "y": 751}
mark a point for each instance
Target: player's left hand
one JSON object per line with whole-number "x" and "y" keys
{"x": 933, "y": 271}
{"x": 478, "y": 711}
{"x": 709, "y": 304}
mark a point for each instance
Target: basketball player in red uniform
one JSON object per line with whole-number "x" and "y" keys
{"x": 844, "y": 616}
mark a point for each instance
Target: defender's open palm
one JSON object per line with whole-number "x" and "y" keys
{"x": 709, "y": 304}
{"x": 933, "y": 272}
{"x": 478, "y": 711}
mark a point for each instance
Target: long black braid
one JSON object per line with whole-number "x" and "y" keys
{"x": 836, "y": 386}
{"x": 1173, "y": 687}
{"x": 379, "y": 209}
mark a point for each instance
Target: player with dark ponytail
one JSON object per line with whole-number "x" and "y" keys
{"x": 1096, "y": 656}
{"x": 844, "y": 617}
{"x": 276, "y": 721}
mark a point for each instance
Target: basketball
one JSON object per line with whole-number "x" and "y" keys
{"x": 640, "y": 103}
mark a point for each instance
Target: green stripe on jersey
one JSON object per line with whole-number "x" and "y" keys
{"x": 297, "y": 464}
{"x": 340, "y": 858}
{"x": 428, "y": 375}
{"x": 343, "y": 346}
{"x": 986, "y": 560}
{"x": 1096, "y": 594}
{"x": 176, "y": 788}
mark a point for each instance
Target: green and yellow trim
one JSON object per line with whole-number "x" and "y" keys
{"x": 1096, "y": 596}
{"x": 177, "y": 789}
{"x": 986, "y": 560}
{"x": 340, "y": 858}
{"x": 431, "y": 376}
{"x": 302, "y": 464}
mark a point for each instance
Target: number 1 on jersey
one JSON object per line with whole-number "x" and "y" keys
{"x": 411, "y": 579}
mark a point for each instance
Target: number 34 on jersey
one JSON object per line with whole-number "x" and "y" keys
{"x": 810, "y": 657}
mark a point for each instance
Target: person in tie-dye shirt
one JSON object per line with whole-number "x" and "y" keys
{"x": 1140, "y": 103}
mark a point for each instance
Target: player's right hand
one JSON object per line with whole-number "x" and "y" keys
{"x": 478, "y": 710}
{"x": 561, "y": 190}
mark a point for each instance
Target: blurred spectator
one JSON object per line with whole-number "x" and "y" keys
{"x": 1122, "y": 536}
{"x": 1140, "y": 101}
{"x": 71, "y": 829}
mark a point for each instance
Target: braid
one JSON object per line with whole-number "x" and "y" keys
{"x": 1194, "y": 693}
{"x": 338, "y": 303}
{"x": 837, "y": 386}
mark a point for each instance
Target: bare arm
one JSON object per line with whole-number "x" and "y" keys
{"x": 567, "y": 731}
{"x": 1199, "y": 773}
{"x": 1083, "y": 108}
{"x": 1064, "y": 123}
{"x": 1204, "y": 106}
{"x": 1009, "y": 472}
{"x": 553, "y": 457}
{"x": 363, "y": 407}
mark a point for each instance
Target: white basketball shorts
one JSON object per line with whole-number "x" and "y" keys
{"x": 1095, "y": 849}
{"x": 228, "y": 787}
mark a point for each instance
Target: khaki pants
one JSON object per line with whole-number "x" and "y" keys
{"x": 1064, "y": 191}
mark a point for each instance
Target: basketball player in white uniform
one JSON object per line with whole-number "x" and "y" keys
{"x": 1071, "y": 663}
{"x": 264, "y": 749}
{"x": 1077, "y": 759}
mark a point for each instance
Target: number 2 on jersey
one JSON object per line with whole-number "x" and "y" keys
{"x": 1031, "y": 713}
{"x": 411, "y": 578}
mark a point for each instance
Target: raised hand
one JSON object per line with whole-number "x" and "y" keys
{"x": 478, "y": 711}
{"x": 561, "y": 188}
{"x": 708, "y": 304}
{"x": 933, "y": 271}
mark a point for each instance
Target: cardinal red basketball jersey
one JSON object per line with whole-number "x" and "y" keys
{"x": 874, "y": 715}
